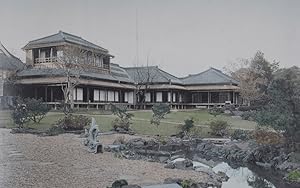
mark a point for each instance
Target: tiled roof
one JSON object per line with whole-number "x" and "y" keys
{"x": 63, "y": 37}
{"x": 210, "y": 76}
{"x": 9, "y": 61}
{"x": 153, "y": 73}
{"x": 116, "y": 74}
{"x": 120, "y": 73}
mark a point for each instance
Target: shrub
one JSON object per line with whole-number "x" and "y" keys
{"x": 264, "y": 136}
{"x": 28, "y": 109}
{"x": 196, "y": 131}
{"x": 187, "y": 183}
{"x": 123, "y": 120}
{"x": 20, "y": 113}
{"x": 37, "y": 110}
{"x": 294, "y": 176}
{"x": 54, "y": 130}
{"x": 247, "y": 108}
{"x": 74, "y": 122}
{"x": 239, "y": 134}
{"x": 123, "y": 123}
{"x": 248, "y": 115}
{"x": 188, "y": 125}
{"x": 120, "y": 140}
{"x": 215, "y": 111}
{"x": 219, "y": 127}
{"x": 159, "y": 112}
{"x": 189, "y": 129}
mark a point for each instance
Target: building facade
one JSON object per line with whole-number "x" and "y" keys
{"x": 9, "y": 65}
{"x": 101, "y": 82}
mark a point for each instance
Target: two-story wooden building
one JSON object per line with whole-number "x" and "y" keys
{"x": 103, "y": 82}
{"x": 100, "y": 82}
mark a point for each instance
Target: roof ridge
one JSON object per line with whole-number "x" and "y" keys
{"x": 4, "y": 50}
{"x": 43, "y": 37}
{"x": 79, "y": 37}
{"x": 220, "y": 73}
{"x": 140, "y": 67}
{"x": 63, "y": 32}
{"x": 166, "y": 73}
{"x": 190, "y": 75}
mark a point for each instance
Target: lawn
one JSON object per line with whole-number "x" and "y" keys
{"x": 141, "y": 121}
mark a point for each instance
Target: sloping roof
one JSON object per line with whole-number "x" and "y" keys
{"x": 120, "y": 73}
{"x": 63, "y": 37}
{"x": 210, "y": 76}
{"x": 153, "y": 73}
{"x": 9, "y": 61}
{"x": 45, "y": 72}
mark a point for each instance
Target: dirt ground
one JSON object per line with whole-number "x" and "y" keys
{"x": 62, "y": 161}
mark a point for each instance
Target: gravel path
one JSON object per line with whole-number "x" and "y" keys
{"x": 61, "y": 161}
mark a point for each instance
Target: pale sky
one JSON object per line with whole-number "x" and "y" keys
{"x": 181, "y": 36}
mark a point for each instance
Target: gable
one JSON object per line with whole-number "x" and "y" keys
{"x": 210, "y": 76}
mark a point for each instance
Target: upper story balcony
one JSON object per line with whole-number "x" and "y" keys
{"x": 46, "y": 60}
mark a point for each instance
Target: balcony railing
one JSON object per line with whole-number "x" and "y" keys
{"x": 46, "y": 60}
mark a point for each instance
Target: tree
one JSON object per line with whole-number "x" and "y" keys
{"x": 254, "y": 76}
{"x": 71, "y": 64}
{"x": 143, "y": 77}
{"x": 282, "y": 112}
{"x": 123, "y": 119}
{"x": 159, "y": 112}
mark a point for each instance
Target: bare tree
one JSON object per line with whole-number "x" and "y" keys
{"x": 143, "y": 78}
{"x": 71, "y": 64}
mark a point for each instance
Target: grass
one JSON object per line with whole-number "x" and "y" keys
{"x": 294, "y": 176}
{"x": 141, "y": 121}
{"x": 201, "y": 117}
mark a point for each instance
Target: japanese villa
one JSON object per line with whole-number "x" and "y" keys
{"x": 105, "y": 82}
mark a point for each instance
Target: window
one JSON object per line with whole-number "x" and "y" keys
{"x": 130, "y": 97}
{"x": 158, "y": 96}
{"x": 116, "y": 96}
{"x": 78, "y": 94}
{"x": 96, "y": 95}
{"x": 102, "y": 95}
{"x": 111, "y": 96}
{"x": 148, "y": 97}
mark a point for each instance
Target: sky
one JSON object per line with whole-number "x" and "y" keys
{"x": 180, "y": 36}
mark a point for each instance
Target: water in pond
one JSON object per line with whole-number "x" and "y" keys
{"x": 241, "y": 177}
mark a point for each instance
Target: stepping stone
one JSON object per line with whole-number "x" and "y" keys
{"x": 173, "y": 185}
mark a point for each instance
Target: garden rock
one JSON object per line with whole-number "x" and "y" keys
{"x": 91, "y": 141}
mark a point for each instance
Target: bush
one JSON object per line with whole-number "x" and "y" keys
{"x": 219, "y": 128}
{"x": 28, "y": 109}
{"x": 54, "y": 130}
{"x": 215, "y": 111}
{"x": 123, "y": 123}
{"x": 196, "y": 131}
{"x": 159, "y": 112}
{"x": 74, "y": 122}
{"x": 188, "y": 125}
{"x": 294, "y": 176}
{"x": 264, "y": 136}
{"x": 20, "y": 113}
{"x": 120, "y": 140}
{"x": 239, "y": 134}
{"x": 186, "y": 128}
{"x": 248, "y": 115}
{"x": 37, "y": 110}
{"x": 247, "y": 108}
